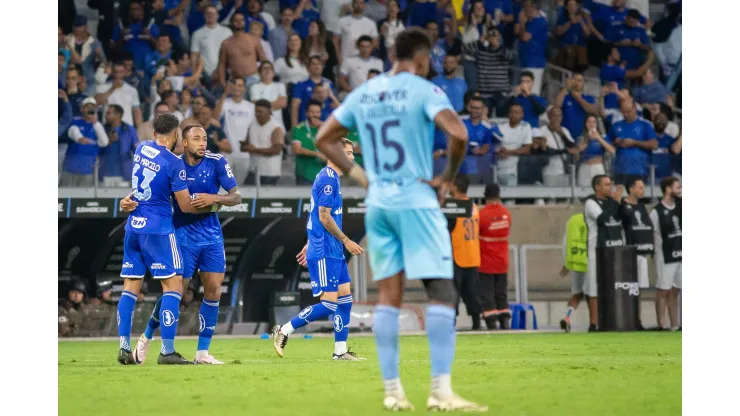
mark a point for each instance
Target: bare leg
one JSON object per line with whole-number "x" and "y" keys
{"x": 660, "y": 305}
{"x": 673, "y": 307}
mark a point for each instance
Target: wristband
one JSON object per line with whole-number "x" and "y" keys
{"x": 215, "y": 207}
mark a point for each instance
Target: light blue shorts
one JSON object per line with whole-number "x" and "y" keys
{"x": 414, "y": 240}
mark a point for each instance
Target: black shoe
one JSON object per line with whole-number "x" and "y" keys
{"x": 504, "y": 319}
{"x": 592, "y": 328}
{"x": 565, "y": 324}
{"x": 491, "y": 322}
{"x": 125, "y": 357}
{"x": 172, "y": 358}
{"x": 476, "y": 322}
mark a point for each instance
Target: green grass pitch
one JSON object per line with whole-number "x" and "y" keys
{"x": 519, "y": 374}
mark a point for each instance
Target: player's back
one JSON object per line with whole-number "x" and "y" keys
{"x": 157, "y": 173}
{"x": 207, "y": 177}
{"x": 325, "y": 192}
{"x": 394, "y": 116}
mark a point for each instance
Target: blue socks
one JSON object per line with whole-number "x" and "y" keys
{"x": 208, "y": 318}
{"x": 125, "y": 315}
{"x": 341, "y": 324}
{"x": 168, "y": 316}
{"x": 385, "y": 327}
{"x": 441, "y": 332}
{"x": 153, "y": 320}
{"x": 313, "y": 313}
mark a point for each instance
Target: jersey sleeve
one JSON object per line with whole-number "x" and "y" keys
{"x": 343, "y": 114}
{"x": 649, "y": 132}
{"x": 225, "y": 175}
{"x": 435, "y": 101}
{"x": 177, "y": 176}
{"x": 326, "y": 192}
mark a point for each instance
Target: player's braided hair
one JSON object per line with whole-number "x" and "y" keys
{"x": 165, "y": 123}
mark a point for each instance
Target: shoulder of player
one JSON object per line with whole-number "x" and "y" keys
{"x": 213, "y": 157}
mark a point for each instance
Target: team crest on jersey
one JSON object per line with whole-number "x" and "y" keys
{"x": 149, "y": 152}
{"x": 183, "y": 176}
{"x": 327, "y": 189}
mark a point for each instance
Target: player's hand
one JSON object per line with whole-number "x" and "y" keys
{"x": 442, "y": 187}
{"x": 301, "y": 256}
{"x": 353, "y": 247}
{"x": 618, "y": 193}
{"x": 203, "y": 200}
{"x": 563, "y": 272}
{"x": 85, "y": 140}
{"x": 127, "y": 204}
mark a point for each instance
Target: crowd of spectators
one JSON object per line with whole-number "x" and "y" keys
{"x": 261, "y": 83}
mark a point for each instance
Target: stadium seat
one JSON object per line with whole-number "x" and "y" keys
{"x": 519, "y": 315}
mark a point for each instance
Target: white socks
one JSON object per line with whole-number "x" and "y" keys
{"x": 394, "y": 388}
{"x": 287, "y": 329}
{"x": 201, "y": 353}
{"x": 340, "y": 347}
{"x": 442, "y": 385}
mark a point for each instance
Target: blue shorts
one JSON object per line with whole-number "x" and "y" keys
{"x": 209, "y": 258}
{"x": 159, "y": 254}
{"x": 327, "y": 274}
{"x": 415, "y": 241}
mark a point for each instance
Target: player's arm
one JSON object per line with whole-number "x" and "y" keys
{"x": 328, "y": 141}
{"x": 214, "y": 201}
{"x": 183, "y": 201}
{"x": 449, "y": 122}
{"x": 331, "y": 226}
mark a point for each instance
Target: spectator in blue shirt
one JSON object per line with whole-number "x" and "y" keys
{"x": 438, "y": 51}
{"x": 479, "y": 157}
{"x": 159, "y": 58}
{"x": 440, "y": 151}
{"x": 303, "y": 91}
{"x": 73, "y": 92}
{"x": 304, "y": 17}
{"x": 615, "y": 69}
{"x": 634, "y": 138}
{"x": 592, "y": 145}
{"x": 87, "y": 135}
{"x": 65, "y": 114}
{"x": 533, "y": 105}
{"x": 136, "y": 35}
{"x": 572, "y": 29}
{"x": 421, "y": 12}
{"x": 454, "y": 87}
{"x": 575, "y": 104}
{"x": 116, "y": 159}
{"x": 668, "y": 147}
{"x": 168, "y": 15}
{"x": 278, "y": 37}
{"x": 197, "y": 14}
{"x": 252, "y": 10}
{"x": 532, "y": 31}
{"x": 632, "y": 40}
{"x": 651, "y": 91}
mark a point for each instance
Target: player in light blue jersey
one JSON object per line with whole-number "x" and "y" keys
{"x": 324, "y": 256}
{"x": 395, "y": 114}
{"x": 150, "y": 242}
{"x": 199, "y": 236}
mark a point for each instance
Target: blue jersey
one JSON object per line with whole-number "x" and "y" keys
{"x": 394, "y": 116}
{"x": 324, "y": 193}
{"x": 156, "y": 175}
{"x": 207, "y": 177}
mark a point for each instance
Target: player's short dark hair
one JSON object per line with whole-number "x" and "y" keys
{"x": 233, "y": 16}
{"x": 410, "y": 42}
{"x": 188, "y": 128}
{"x": 165, "y": 123}
{"x": 667, "y": 183}
{"x": 515, "y": 104}
{"x": 477, "y": 98}
{"x": 364, "y": 38}
{"x": 313, "y": 102}
{"x": 116, "y": 109}
{"x": 526, "y": 74}
{"x": 161, "y": 103}
{"x": 596, "y": 180}
{"x": 462, "y": 183}
{"x": 632, "y": 182}
{"x": 346, "y": 141}
{"x": 263, "y": 103}
{"x": 492, "y": 191}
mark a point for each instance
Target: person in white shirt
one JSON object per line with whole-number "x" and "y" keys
{"x": 206, "y": 41}
{"x": 516, "y": 140}
{"x": 291, "y": 69}
{"x": 330, "y": 12}
{"x": 354, "y": 69}
{"x": 274, "y": 92}
{"x": 352, "y": 27}
{"x": 265, "y": 140}
{"x": 120, "y": 92}
{"x": 393, "y": 26}
{"x": 257, "y": 28}
{"x": 560, "y": 141}
{"x": 238, "y": 115}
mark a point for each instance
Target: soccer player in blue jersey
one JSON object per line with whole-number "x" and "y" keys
{"x": 395, "y": 114}
{"x": 324, "y": 256}
{"x": 199, "y": 236}
{"x": 150, "y": 242}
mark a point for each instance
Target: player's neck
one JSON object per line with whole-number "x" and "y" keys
{"x": 668, "y": 201}
{"x": 632, "y": 199}
{"x": 190, "y": 159}
{"x": 492, "y": 201}
{"x": 334, "y": 168}
{"x": 403, "y": 66}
